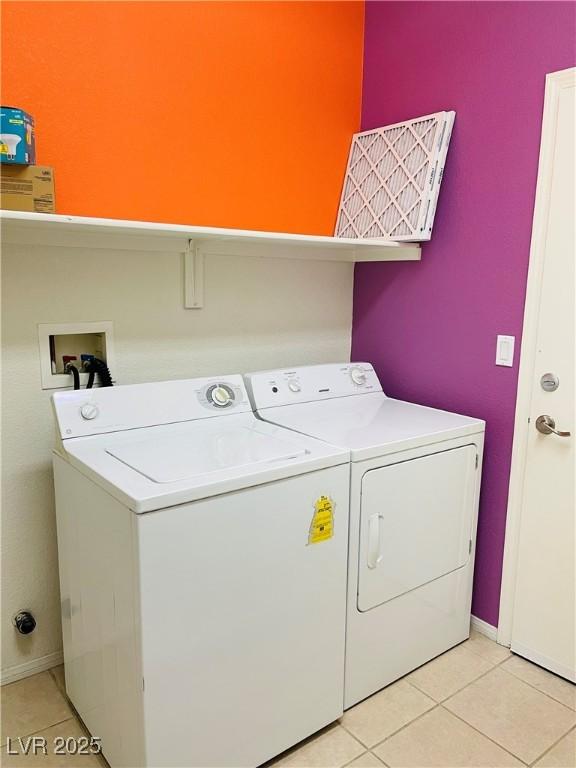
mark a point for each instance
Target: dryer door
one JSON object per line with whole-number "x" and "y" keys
{"x": 415, "y": 523}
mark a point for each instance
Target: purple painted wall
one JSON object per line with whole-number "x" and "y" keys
{"x": 430, "y": 328}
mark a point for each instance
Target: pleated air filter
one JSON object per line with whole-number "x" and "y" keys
{"x": 393, "y": 179}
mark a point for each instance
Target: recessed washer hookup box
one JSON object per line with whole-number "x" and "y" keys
{"x": 17, "y": 139}
{"x": 27, "y": 188}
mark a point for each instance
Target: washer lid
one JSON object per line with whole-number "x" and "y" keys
{"x": 157, "y": 467}
{"x": 182, "y": 457}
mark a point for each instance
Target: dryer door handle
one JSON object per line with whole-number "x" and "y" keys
{"x": 375, "y": 534}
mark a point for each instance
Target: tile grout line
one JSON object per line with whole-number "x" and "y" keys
{"x": 436, "y": 703}
{"x": 459, "y": 690}
{"x": 333, "y": 726}
{"x": 403, "y": 727}
{"x": 366, "y": 748}
{"x": 485, "y": 658}
{"x": 370, "y": 748}
{"x": 553, "y": 745}
{"x": 61, "y": 694}
{"x": 354, "y": 758}
{"x": 367, "y": 752}
{"x": 517, "y": 757}
{"x": 61, "y": 691}
{"x": 513, "y": 655}
{"x": 440, "y": 704}
{"x": 44, "y": 728}
{"x": 485, "y": 735}
{"x": 570, "y": 709}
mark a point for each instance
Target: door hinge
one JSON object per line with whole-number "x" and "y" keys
{"x": 142, "y": 683}
{"x": 470, "y": 547}
{"x": 477, "y": 462}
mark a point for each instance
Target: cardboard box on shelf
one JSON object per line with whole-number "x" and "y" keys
{"x": 17, "y": 139}
{"x": 27, "y": 188}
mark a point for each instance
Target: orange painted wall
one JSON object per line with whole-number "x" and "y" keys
{"x": 212, "y": 113}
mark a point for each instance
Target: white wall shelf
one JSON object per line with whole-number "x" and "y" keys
{"x": 47, "y": 229}
{"x": 83, "y": 231}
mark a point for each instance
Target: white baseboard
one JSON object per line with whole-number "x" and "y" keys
{"x": 484, "y": 628}
{"x": 32, "y": 667}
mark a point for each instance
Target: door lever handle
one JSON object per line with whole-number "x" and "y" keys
{"x": 547, "y": 426}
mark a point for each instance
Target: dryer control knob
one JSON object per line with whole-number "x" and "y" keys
{"x": 294, "y": 386}
{"x": 89, "y": 411}
{"x": 358, "y": 376}
{"x": 220, "y": 396}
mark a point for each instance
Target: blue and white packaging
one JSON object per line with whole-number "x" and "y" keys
{"x": 17, "y": 139}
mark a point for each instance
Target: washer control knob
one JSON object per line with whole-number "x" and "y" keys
{"x": 294, "y": 386}
{"x": 220, "y": 396}
{"x": 89, "y": 411}
{"x": 358, "y": 376}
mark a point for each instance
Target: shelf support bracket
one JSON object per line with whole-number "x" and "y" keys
{"x": 193, "y": 276}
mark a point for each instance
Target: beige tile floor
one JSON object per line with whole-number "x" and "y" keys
{"x": 476, "y": 705}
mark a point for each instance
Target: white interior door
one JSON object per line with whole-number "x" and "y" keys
{"x": 543, "y": 606}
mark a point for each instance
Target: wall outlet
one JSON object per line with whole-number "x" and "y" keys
{"x": 59, "y": 340}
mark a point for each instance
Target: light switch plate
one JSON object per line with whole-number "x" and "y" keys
{"x": 505, "y": 350}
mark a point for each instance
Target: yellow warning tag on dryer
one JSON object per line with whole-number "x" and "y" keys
{"x": 322, "y": 526}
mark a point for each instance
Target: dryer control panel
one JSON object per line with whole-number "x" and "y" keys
{"x": 307, "y": 384}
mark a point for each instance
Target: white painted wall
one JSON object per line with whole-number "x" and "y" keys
{"x": 258, "y": 313}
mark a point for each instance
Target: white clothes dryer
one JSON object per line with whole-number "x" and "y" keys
{"x": 203, "y": 558}
{"x": 415, "y": 482}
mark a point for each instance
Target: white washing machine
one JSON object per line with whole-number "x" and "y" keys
{"x": 203, "y": 558}
{"x": 414, "y": 488}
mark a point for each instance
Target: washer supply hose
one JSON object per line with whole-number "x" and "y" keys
{"x": 75, "y": 374}
{"x": 96, "y": 366}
